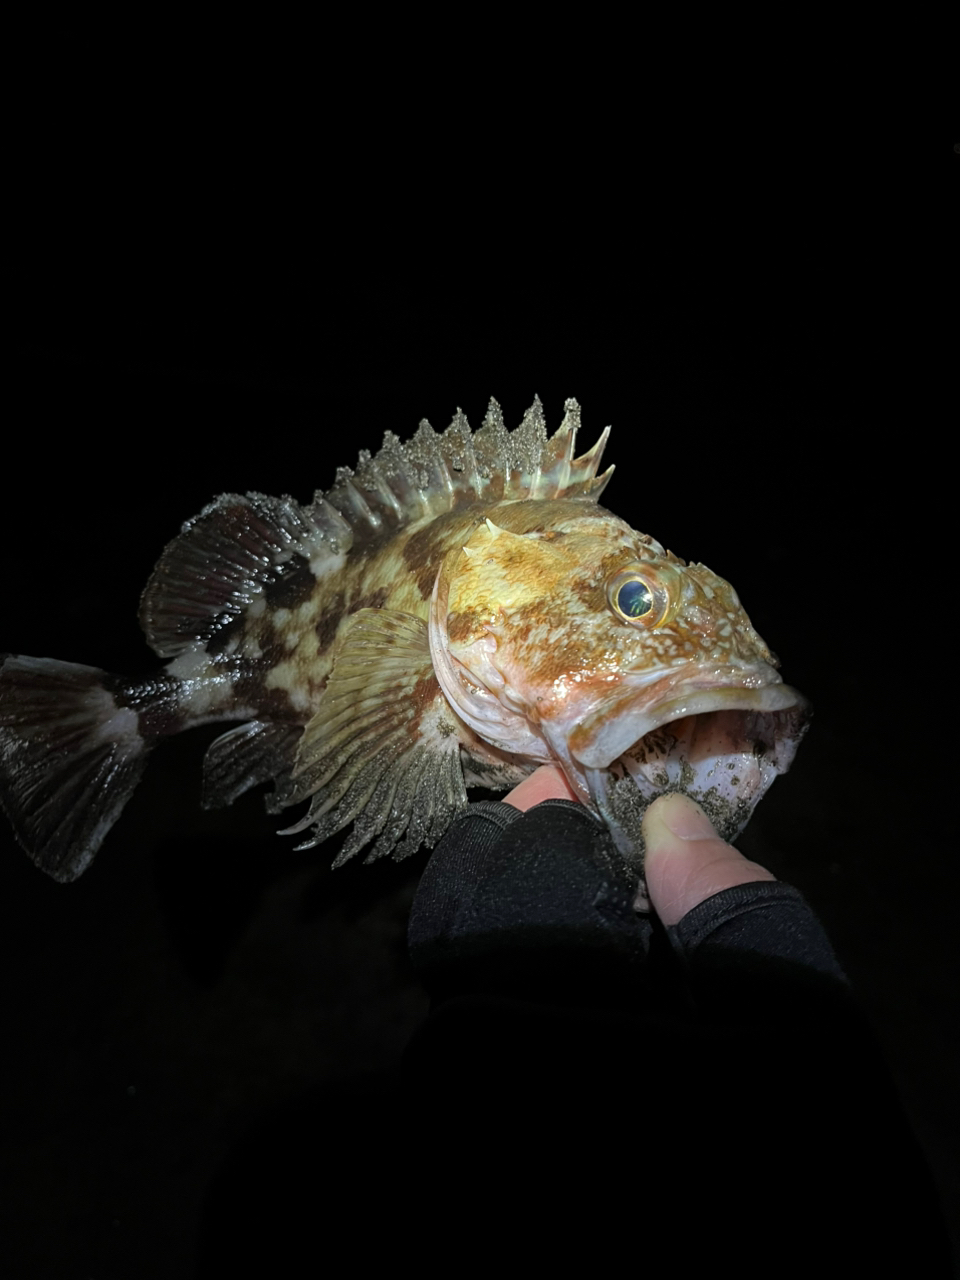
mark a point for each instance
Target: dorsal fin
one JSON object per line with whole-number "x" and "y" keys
{"x": 433, "y": 473}
{"x": 226, "y": 556}
{"x": 240, "y": 545}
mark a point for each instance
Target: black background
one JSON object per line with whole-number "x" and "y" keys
{"x": 743, "y": 309}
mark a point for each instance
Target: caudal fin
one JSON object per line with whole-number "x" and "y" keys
{"x": 70, "y": 756}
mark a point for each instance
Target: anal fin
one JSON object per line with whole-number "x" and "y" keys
{"x": 247, "y": 756}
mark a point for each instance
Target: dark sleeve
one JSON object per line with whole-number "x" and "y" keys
{"x": 722, "y": 1066}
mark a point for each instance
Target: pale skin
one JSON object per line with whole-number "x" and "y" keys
{"x": 686, "y": 861}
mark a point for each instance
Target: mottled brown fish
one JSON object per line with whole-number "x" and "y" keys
{"x": 455, "y": 612}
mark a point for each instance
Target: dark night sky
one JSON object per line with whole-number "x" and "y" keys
{"x": 203, "y": 980}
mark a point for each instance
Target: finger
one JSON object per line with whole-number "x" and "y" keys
{"x": 545, "y": 783}
{"x": 686, "y": 862}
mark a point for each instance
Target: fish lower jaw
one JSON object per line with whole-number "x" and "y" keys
{"x": 725, "y": 760}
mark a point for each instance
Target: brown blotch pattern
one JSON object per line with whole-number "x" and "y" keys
{"x": 330, "y": 619}
{"x": 371, "y": 600}
{"x": 590, "y": 589}
{"x": 156, "y": 702}
{"x": 424, "y": 550}
{"x": 339, "y": 606}
{"x": 422, "y": 553}
{"x": 424, "y": 692}
{"x": 250, "y": 686}
{"x": 295, "y": 584}
{"x": 461, "y": 626}
{"x": 226, "y": 628}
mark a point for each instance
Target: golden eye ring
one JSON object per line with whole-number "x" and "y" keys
{"x": 639, "y": 598}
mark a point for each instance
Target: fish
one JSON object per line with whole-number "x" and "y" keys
{"x": 454, "y": 612}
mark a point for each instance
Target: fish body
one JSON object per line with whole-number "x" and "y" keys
{"x": 455, "y": 612}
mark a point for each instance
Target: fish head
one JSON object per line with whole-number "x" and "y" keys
{"x": 585, "y": 643}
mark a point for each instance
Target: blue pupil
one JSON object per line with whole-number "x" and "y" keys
{"x": 634, "y": 599}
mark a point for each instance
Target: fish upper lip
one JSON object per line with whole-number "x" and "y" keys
{"x": 605, "y": 733}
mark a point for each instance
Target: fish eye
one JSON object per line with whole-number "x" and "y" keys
{"x": 639, "y": 598}
{"x": 634, "y": 598}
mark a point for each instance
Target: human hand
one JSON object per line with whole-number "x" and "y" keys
{"x": 499, "y": 888}
{"x": 567, "y": 1028}
{"x": 685, "y": 863}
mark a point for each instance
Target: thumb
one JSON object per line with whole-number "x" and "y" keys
{"x": 686, "y": 862}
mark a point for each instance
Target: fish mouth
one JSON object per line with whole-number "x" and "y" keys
{"x": 720, "y": 736}
{"x": 639, "y": 708}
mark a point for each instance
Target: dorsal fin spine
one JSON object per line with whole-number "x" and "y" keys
{"x": 330, "y": 522}
{"x": 586, "y": 465}
{"x": 433, "y": 473}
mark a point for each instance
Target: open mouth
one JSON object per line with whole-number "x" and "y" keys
{"x": 640, "y": 707}
{"x": 721, "y": 744}
{"x": 724, "y": 759}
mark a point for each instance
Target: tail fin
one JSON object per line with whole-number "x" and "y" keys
{"x": 70, "y": 756}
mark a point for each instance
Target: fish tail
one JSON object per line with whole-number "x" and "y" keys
{"x": 73, "y": 744}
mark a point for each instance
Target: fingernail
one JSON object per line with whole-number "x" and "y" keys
{"x": 685, "y": 818}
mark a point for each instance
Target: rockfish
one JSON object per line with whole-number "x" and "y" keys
{"x": 454, "y": 613}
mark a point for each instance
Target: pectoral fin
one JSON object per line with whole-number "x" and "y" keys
{"x": 383, "y": 750}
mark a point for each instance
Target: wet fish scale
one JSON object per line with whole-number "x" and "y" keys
{"x": 455, "y": 611}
